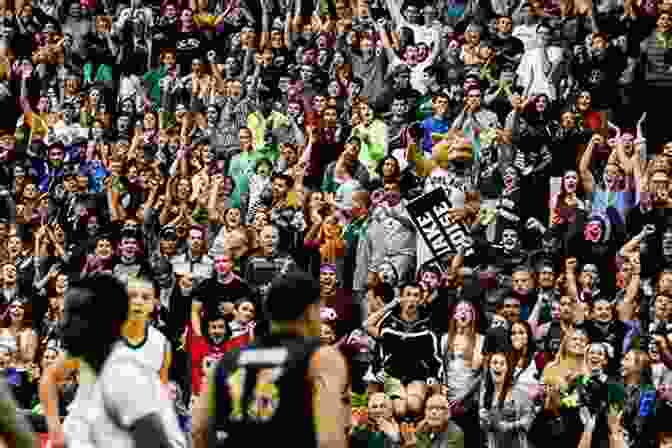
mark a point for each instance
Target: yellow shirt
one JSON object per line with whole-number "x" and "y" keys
{"x": 258, "y": 125}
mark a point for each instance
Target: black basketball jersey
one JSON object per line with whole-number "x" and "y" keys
{"x": 263, "y": 393}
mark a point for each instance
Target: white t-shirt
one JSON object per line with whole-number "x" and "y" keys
{"x": 125, "y": 392}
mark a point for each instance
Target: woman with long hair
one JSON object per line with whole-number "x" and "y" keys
{"x": 570, "y": 361}
{"x": 566, "y": 203}
{"x": 505, "y": 418}
{"x": 461, "y": 349}
{"x": 525, "y": 375}
{"x": 17, "y": 324}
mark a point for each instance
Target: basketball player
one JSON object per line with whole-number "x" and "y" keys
{"x": 139, "y": 340}
{"x": 285, "y": 385}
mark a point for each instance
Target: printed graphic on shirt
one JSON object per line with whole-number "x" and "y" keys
{"x": 265, "y": 398}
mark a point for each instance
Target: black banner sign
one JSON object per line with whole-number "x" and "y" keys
{"x": 430, "y": 214}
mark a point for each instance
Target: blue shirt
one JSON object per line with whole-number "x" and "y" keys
{"x": 433, "y": 126}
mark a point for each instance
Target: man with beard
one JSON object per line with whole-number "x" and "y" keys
{"x": 50, "y": 172}
{"x": 599, "y": 73}
{"x": 340, "y": 300}
{"x": 209, "y": 351}
{"x": 288, "y": 218}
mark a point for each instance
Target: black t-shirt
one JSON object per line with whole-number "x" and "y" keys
{"x": 188, "y": 46}
{"x": 212, "y": 294}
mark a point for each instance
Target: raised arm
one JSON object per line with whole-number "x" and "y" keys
{"x": 587, "y": 179}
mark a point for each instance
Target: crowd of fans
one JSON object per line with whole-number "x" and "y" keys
{"x": 215, "y": 144}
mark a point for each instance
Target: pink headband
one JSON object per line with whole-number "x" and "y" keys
{"x": 328, "y": 268}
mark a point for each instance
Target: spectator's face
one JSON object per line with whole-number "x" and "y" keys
{"x": 9, "y": 273}
{"x": 437, "y": 411}
{"x": 233, "y": 218}
{"x": 306, "y": 73}
{"x": 245, "y": 312}
{"x": 289, "y": 154}
{"x": 351, "y": 154}
{"x": 597, "y": 357}
{"x": 584, "y": 102}
{"x": 498, "y": 368}
{"x": 504, "y": 25}
{"x": 441, "y": 106}
{"x": 293, "y": 109}
{"x": 511, "y": 309}
{"x": 568, "y": 120}
{"x": 602, "y": 311}
{"x": 217, "y": 331}
{"x": 169, "y": 60}
{"x": 518, "y": 337}
{"x": 43, "y": 104}
{"x": 129, "y": 247}
{"x": 546, "y": 278}
{"x": 664, "y": 23}
{"x": 570, "y": 180}
{"x": 59, "y": 234}
{"x": 661, "y": 307}
{"x": 14, "y": 246}
{"x": 186, "y": 16}
{"x": 320, "y": 103}
{"x": 30, "y": 192}
{"x": 123, "y": 124}
{"x": 61, "y": 284}
{"x": 327, "y": 282}
{"x": 48, "y": 358}
{"x": 16, "y": 311}
{"x": 330, "y": 118}
{"x": 104, "y": 249}
{"x": 541, "y": 104}
{"x": 410, "y": 300}
{"x": 379, "y": 407}
{"x": 196, "y": 240}
{"x": 280, "y": 189}
{"x": 183, "y": 189}
{"x": 245, "y": 138}
{"x": 509, "y": 239}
